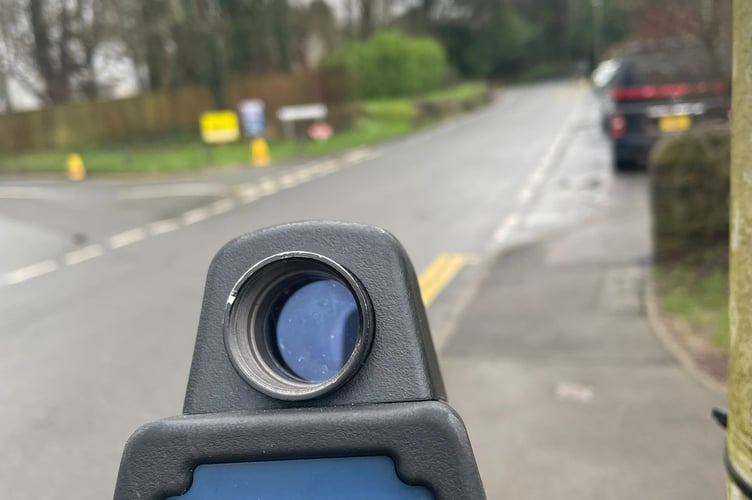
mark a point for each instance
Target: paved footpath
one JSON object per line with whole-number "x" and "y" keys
{"x": 565, "y": 391}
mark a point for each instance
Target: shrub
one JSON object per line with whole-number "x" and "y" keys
{"x": 389, "y": 110}
{"x": 690, "y": 193}
{"x": 394, "y": 65}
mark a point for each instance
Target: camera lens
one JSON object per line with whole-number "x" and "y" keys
{"x": 316, "y": 329}
{"x": 298, "y": 325}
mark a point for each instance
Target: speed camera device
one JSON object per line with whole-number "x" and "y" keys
{"x": 313, "y": 377}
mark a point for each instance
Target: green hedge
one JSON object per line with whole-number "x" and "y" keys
{"x": 394, "y": 65}
{"x": 429, "y": 107}
{"x": 690, "y": 193}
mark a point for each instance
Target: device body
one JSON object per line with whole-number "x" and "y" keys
{"x": 244, "y": 437}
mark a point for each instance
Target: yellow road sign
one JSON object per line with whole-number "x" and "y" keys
{"x": 219, "y": 126}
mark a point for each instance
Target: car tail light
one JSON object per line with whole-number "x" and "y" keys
{"x": 618, "y": 126}
{"x": 647, "y": 92}
{"x": 718, "y": 87}
{"x": 628, "y": 93}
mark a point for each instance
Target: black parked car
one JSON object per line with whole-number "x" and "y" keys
{"x": 661, "y": 88}
{"x": 602, "y": 80}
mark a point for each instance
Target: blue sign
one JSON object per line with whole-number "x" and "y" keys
{"x": 252, "y": 117}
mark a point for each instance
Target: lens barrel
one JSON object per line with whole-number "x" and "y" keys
{"x": 298, "y": 325}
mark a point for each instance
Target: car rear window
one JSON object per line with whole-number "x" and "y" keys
{"x": 668, "y": 66}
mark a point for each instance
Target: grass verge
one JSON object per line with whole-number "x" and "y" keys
{"x": 696, "y": 301}
{"x": 380, "y": 120}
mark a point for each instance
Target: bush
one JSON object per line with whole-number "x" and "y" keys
{"x": 543, "y": 71}
{"x": 690, "y": 193}
{"x": 428, "y": 108}
{"x": 394, "y": 65}
{"x": 389, "y": 110}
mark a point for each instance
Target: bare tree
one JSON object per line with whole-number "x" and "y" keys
{"x": 50, "y": 46}
{"x": 366, "y": 18}
{"x": 708, "y": 20}
{"x": 15, "y": 40}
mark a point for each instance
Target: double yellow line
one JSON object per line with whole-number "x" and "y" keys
{"x": 439, "y": 273}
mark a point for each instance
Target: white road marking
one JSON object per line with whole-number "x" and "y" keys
{"x": 372, "y": 155}
{"x": 536, "y": 179}
{"x": 318, "y": 168}
{"x": 172, "y": 190}
{"x": 83, "y": 254}
{"x": 547, "y": 162}
{"x": 288, "y": 181}
{"x": 570, "y": 391}
{"x": 526, "y": 194}
{"x": 302, "y": 175}
{"x": 506, "y": 227}
{"x": 357, "y": 155}
{"x": 222, "y": 206}
{"x": 163, "y": 226}
{"x": 537, "y": 176}
{"x": 194, "y": 216}
{"x": 32, "y": 271}
{"x": 311, "y": 173}
{"x": 248, "y": 198}
{"x": 126, "y": 238}
{"x": 312, "y": 170}
{"x": 328, "y": 167}
{"x": 247, "y": 193}
{"x": 31, "y": 193}
{"x": 267, "y": 186}
{"x": 244, "y": 194}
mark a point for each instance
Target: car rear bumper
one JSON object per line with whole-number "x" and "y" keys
{"x": 633, "y": 149}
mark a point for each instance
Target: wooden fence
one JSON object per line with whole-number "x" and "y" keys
{"x": 151, "y": 113}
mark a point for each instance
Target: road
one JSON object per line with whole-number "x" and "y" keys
{"x": 101, "y": 281}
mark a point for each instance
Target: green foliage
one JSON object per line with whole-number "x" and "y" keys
{"x": 429, "y": 107}
{"x": 504, "y": 38}
{"x": 389, "y": 110}
{"x": 690, "y": 193}
{"x": 690, "y": 199}
{"x": 541, "y": 71}
{"x": 498, "y": 44}
{"x": 698, "y": 297}
{"x": 394, "y": 65}
{"x": 463, "y": 91}
{"x": 379, "y": 120}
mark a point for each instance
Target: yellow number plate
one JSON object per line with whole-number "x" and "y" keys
{"x": 675, "y": 123}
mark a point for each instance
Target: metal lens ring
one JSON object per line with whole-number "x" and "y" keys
{"x": 298, "y": 325}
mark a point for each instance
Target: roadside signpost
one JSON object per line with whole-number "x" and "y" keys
{"x": 289, "y": 115}
{"x": 254, "y": 125}
{"x": 218, "y": 127}
{"x": 320, "y": 131}
{"x": 252, "y": 117}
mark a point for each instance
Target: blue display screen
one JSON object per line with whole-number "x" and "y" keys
{"x": 347, "y": 478}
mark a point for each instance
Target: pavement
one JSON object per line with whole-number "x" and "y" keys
{"x": 570, "y": 395}
{"x": 538, "y": 318}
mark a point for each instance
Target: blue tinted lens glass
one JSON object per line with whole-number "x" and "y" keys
{"x": 317, "y": 328}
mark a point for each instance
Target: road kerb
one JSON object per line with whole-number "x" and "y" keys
{"x": 677, "y": 351}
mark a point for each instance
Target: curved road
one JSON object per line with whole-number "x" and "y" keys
{"x": 101, "y": 281}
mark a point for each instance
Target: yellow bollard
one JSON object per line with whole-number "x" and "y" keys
{"x": 75, "y": 168}
{"x": 259, "y": 152}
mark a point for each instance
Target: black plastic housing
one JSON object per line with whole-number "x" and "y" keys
{"x": 394, "y": 405}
